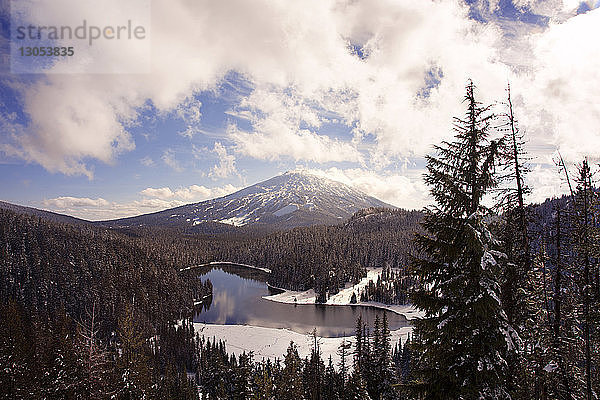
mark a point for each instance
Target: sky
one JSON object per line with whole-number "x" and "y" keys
{"x": 223, "y": 94}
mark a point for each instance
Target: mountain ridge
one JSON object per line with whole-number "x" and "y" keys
{"x": 295, "y": 198}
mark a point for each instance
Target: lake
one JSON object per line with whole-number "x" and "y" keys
{"x": 237, "y": 300}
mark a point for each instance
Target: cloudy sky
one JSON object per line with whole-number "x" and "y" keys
{"x": 238, "y": 91}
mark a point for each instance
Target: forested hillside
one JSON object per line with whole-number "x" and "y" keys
{"x": 95, "y": 310}
{"x": 326, "y": 257}
{"x": 86, "y": 311}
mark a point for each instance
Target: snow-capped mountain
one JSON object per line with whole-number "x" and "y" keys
{"x": 295, "y": 198}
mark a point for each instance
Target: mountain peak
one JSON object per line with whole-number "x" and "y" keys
{"x": 294, "y": 198}
{"x": 299, "y": 171}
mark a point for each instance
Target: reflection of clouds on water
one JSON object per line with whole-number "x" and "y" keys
{"x": 224, "y": 305}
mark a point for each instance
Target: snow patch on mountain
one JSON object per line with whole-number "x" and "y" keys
{"x": 290, "y": 208}
{"x": 235, "y": 221}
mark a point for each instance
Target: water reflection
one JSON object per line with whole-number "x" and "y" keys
{"x": 237, "y": 300}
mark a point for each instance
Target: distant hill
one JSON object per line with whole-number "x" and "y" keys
{"x": 48, "y": 215}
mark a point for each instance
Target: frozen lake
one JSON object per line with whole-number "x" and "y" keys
{"x": 237, "y": 300}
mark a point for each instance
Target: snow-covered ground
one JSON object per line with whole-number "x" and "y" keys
{"x": 343, "y": 297}
{"x": 272, "y": 343}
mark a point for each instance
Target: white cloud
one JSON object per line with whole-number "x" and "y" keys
{"x": 284, "y": 124}
{"x": 405, "y": 191}
{"x": 161, "y": 193}
{"x": 147, "y": 161}
{"x": 154, "y": 199}
{"x": 67, "y": 201}
{"x": 278, "y": 141}
{"x": 169, "y": 159}
{"x": 558, "y": 105}
{"x": 546, "y": 181}
{"x": 190, "y": 193}
{"x": 295, "y": 56}
{"x": 100, "y": 209}
{"x": 189, "y": 112}
{"x": 226, "y": 167}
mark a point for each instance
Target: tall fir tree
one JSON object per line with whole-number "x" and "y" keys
{"x": 343, "y": 367}
{"x": 314, "y": 371}
{"x": 513, "y": 232}
{"x": 585, "y": 241}
{"x": 563, "y": 368}
{"x": 332, "y": 389}
{"x": 538, "y": 338}
{"x": 263, "y": 382}
{"x": 357, "y": 388}
{"x": 290, "y": 385}
{"x": 359, "y": 351}
{"x": 465, "y": 333}
{"x": 132, "y": 365}
{"x": 96, "y": 372}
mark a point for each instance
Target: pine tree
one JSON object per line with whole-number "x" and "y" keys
{"x": 357, "y": 388}
{"x": 585, "y": 239}
{"x": 15, "y": 352}
{"x": 537, "y": 341}
{"x": 95, "y": 359}
{"x": 290, "y": 385}
{"x": 464, "y": 334}
{"x": 263, "y": 382}
{"x": 358, "y": 349}
{"x": 384, "y": 361}
{"x": 561, "y": 321}
{"x": 343, "y": 352}
{"x": 58, "y": 360}
{"x": 380, "y": 376}
{"x": 314, "y": 371}
{"x": 514, "y": 235}
{"x": 242, "y": 377}
{"x": 332, "y": 388}
{"x": 564, "y": 369}
{"x": 132, "y": 365}
{"x": 373, "y": 375}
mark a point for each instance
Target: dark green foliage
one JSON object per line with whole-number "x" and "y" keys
{"x": 464, "y": 335}
{"x": 392, "y": 287}
{"x": 93, "y": 310}
{"x": 290, "y": 385}
{"x": 326, "y": 257}
{"x": 586, "y": 249}
{"x": 314, "y": 372}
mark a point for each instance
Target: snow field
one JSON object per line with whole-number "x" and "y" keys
{"x": 272, "y": 343}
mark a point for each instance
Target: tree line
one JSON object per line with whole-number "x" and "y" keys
{"x": 370, "y": 367}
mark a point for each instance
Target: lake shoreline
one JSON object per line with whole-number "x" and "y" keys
{"x": 228, "y": 263}
{"x": 343, "y": 297}
{"x": 239, "y": 298}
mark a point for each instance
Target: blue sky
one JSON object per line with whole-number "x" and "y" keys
{"x": 355, "y": 91}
